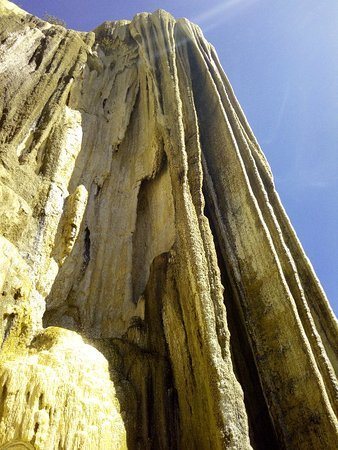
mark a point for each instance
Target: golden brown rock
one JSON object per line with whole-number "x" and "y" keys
{"x": 138, "y": 211}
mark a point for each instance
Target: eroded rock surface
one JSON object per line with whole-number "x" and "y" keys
{"x": 59, "y": 395}
{"x": 153, "y": 292}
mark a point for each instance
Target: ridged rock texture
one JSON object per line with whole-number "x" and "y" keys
{"x": 153, "y": 292}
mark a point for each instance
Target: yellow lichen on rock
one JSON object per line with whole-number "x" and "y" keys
{"x": 60, "y": 395}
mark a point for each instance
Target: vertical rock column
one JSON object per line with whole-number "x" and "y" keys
{"x": 210, "y": 400}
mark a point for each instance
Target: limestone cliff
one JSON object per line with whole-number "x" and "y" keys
{"x": 153, "y": 292}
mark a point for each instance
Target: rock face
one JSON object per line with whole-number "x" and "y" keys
{"x": 153, "y": 292}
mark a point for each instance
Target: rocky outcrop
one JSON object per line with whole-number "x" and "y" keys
{"x": 153, "y": 292}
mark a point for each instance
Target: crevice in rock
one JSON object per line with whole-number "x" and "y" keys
{"x": 261, "y": 429}
{"x": 86, "y": 251}
{"x": 3, "y": 398}
{"x": 145, "y": 239}
{"x": 262, "y": 433}
{"x": 38, "y": 55}
{"x": 8, "y": 323}
{"x": 61, "y": 48}
{"x": 41, "y": 401}
{"x": 4, "y": 115}
{"x": 68, "y": 98}
{"x": 149, "y": 404}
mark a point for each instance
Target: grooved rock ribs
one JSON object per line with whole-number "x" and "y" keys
{"x": 153, "y": 294}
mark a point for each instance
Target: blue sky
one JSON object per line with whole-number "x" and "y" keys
{"x": 281, "y": 58}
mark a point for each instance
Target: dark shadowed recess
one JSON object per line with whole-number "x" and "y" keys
{"x": 261, "y": 429}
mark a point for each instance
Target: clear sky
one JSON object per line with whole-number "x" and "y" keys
{"x": 282, "y": 60}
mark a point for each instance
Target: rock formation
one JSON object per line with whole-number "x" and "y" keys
{"x": 153, "y": 292}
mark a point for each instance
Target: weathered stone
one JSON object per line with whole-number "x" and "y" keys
{"x": 138, "y": 211}
{"x": 59, "y": 395}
